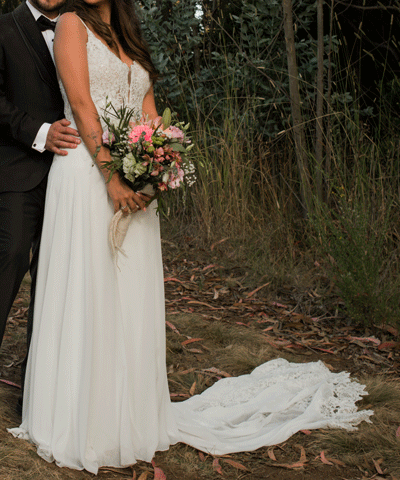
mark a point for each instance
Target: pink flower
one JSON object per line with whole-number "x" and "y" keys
{"x": 157, "y": 169}
{"x": 162, "y": 186}
{"x": 153, "y": 123}
{"x": 138, "y": 131}
{"x": 174, "y": 132}
{"x": 168, "y": 149}
{"x": 107, "y": 138}
{"x": 176, "y": 179}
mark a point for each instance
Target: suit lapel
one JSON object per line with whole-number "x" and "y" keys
{"x": 35, "y": 43}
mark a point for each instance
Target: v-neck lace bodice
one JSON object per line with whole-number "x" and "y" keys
{"x": 111, "y": 79}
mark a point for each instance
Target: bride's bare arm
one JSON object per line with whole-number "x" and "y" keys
{"x": 149, "y": 105}
{"x": 72, "y": 64}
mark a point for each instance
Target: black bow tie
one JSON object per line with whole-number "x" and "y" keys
{"x": 45, "y": 24}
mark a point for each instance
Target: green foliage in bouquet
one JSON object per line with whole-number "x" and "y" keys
{"x": 147, "y": 152}
{"x": 117, "y": 122}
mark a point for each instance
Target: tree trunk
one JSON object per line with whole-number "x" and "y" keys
{"x": 298, "y": 124}
{"x": 319, "y": 127}
{"x": 328, "y": 161}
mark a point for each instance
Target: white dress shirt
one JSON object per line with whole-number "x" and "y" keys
{"x": 48, "y": 35}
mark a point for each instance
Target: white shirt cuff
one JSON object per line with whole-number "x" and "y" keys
{"x": 41, "y": 137}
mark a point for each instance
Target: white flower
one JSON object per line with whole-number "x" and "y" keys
{"x": 190, "y": 176}
{"x": 165, "y": 177}
{"x": 140, "y": 169}
{"x": 129, "y": 177}
{"x": 129, "y": 164}
{"x": 132, "y": 167}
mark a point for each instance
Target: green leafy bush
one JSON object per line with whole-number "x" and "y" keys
{"x": 355, "y": 237}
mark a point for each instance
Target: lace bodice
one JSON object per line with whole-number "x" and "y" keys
{"x": 111, "y": 80}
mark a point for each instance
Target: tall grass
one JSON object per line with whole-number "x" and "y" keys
{"x": 357, "y": 229}
{"x": 247, "y": 190}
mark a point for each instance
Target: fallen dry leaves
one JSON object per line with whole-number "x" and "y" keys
{"x": 218, "y": 293}
{"x": 237, "y": 465}
{"x": 143, "y": 476}
{"x": 221, "y": 294}
{"x": 158, "y": 473}
{"x": 296, "y": 465}
{"x": 271, "y": 454}
{"x": 216, "y": 466}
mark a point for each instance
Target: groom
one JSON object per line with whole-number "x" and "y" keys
{"x": 32, "y": 129}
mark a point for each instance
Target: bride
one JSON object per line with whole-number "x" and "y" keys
{"x": 96, "y": 390}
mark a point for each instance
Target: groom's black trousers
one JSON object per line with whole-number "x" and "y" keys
{"x": 21, "y": 219}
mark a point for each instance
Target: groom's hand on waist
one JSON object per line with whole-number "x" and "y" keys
{"x": 60, "y": 136}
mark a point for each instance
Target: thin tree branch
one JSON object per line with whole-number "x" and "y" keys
{"x": 371, "y": 7}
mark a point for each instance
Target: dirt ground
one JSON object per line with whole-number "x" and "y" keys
{"x": 212, "y": 310}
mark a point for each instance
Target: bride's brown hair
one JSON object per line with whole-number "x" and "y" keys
{"x": 125, "y": 24}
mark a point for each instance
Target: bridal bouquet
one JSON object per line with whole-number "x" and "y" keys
{"x": 148, "y": 152}
{"x": 150, "y": 155}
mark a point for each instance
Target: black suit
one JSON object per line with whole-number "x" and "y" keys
{"x": 29, "y": 97}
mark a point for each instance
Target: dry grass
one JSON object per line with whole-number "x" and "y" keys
{"x": 223, "y": 346}
{"x": 371, "y": 442}
{"x": 234, "y": 350}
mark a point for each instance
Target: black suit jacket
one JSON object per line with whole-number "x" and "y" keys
{"x": 29, "y": 97}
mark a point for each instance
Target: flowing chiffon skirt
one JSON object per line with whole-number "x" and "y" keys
{"x": 96, "y": 389}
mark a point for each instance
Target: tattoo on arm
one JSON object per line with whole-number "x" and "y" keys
{"x": 94, "y": 135}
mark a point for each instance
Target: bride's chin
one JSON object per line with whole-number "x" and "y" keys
{"x": 97, "y": 3}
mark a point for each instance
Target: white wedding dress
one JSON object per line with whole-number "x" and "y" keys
{"x": 96, "y": 385}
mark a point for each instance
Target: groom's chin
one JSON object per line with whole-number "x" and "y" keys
{"x": 48, "y": 6}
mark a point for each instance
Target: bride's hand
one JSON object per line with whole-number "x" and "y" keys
{"x": 146, "y": 197}
{"x": 124, "y": 198}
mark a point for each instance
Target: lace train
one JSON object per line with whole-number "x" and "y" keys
{"x": 267, "y": 406}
